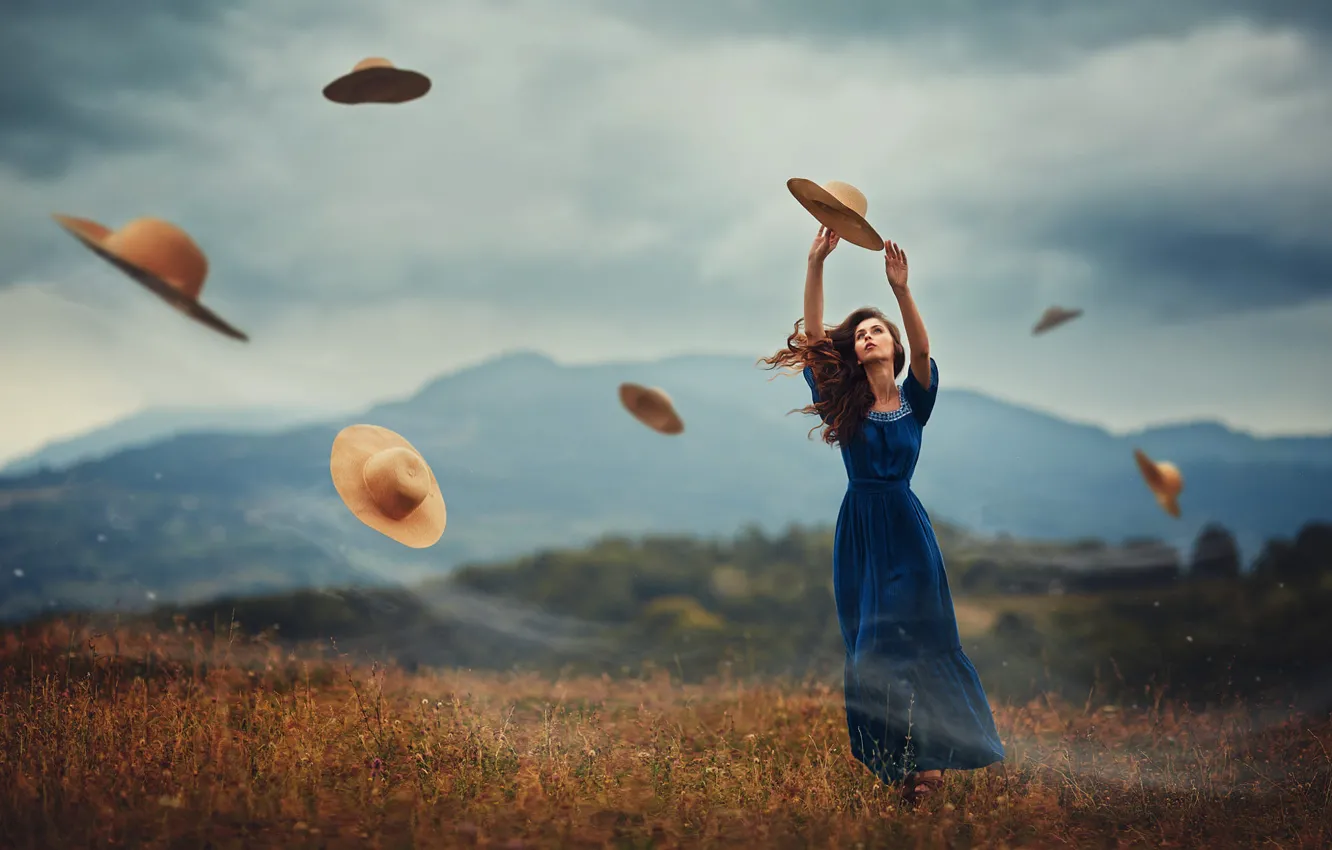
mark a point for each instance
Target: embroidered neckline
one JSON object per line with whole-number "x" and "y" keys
{"x": 893, "y": 415}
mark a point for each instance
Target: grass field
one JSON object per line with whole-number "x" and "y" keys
{"x": 976, "y": 614}
{"x": 183, "y": 739}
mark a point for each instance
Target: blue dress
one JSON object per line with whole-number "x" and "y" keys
{"x": 914, "y": 702}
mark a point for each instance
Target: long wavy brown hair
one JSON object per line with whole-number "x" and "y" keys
{"x": 845, "y": 397}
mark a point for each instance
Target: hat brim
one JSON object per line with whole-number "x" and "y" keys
{"x": 649, "y": 408}
{"x": 1169, "y": 502}
{"x": 352, "y": 447}
{"x": 377, "y": 85}
{"x": 93, "y": 235}
{"x": 1048, "y": 323}
{"x": 835, "y": 215}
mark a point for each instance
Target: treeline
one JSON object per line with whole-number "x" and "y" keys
{"x": 762, "y": 605}
{"x": 1208, "y": 632}
{"x": 1004, "y": 565}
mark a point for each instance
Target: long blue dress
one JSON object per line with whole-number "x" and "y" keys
{"x": 914, "y": 702}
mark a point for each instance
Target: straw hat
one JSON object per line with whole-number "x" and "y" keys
{"x": 840, "y": 207}
{"x": 1164, "y": 480}
{"x": 160, "y": 256}
{"x": 386, "y": 483}
{"x": 377, "y": 80}
{"x": 1054, "y": 317}
{"x": 652, "y": 407}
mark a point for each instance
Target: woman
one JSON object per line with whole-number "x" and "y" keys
{"x": 915, "y": 706}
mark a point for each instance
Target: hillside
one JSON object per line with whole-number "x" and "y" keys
{"x": 763, "y": 605}
{"x": 150, "y": 426}
{"x": 531, "y": 453}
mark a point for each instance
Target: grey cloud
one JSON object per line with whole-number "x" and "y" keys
{"x": 59, "y": 63}
{"x": 1182, "y": 268}
{"x": 1014, "y": 32}
{"x": 570, "y": 145}
{"x": 62, "y": 65}
{"x": 655, "y": 283}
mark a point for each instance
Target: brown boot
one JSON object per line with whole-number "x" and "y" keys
{"x": 916, "y": 787}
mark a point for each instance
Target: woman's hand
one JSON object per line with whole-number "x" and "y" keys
{"x": 824, "y": 243}
{"x": 895, "y": 266}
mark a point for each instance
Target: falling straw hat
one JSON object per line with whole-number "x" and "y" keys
{"x": 840, "y": 207}
{"x": 652, "y": 407}
{"x": 1163, "y": 479}
{"x": 377, "y": 80}
{"x": 1053, "y": 317}
{"x": 160, "y": 256}
{"x": 386, "y": 483}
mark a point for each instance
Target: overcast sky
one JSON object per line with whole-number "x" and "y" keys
{"x": 605, "y": 179}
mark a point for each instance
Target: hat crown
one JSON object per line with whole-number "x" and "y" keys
{"x": 372, "y": 62}
{"x": 655, "y": 399}
{"x": 652, "y": 406}
{"x": 163, "y": 249}
{"x": 1168, "y": 477}
{"x": 398, "y": 481}
{"x": 1162, "y": 476}
{"x": 649, "y": 401}
{"x": 850, "y": 197}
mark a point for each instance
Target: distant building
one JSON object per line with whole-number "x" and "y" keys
{"x": 1136, "y": 565}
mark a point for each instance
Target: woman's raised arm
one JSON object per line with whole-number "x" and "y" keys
{"x": 918, "y": 341}
{"x": 824, "y": 243}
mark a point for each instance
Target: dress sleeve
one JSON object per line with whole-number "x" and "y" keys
{"x": 814, "y": 390}
{"x": 813, "y": 387}
{"x": 921, "y": 399}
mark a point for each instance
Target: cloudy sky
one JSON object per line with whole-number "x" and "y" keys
{"x": 605, "y": 179}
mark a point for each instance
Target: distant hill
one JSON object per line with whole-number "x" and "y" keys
{"x": 148, "y": 426}
{"x": 531, "y": 454}
{"x": 763, "y": 604}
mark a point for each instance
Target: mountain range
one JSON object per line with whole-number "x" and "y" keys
{"x": 149, "y": 426}
{"x": 531, "y": 454}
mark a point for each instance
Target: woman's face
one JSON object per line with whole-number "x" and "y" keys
{"x": 874, "y": 341}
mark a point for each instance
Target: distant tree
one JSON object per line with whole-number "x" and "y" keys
{"x": 979, "y": 575}
{"x": 1010, "y": 623}
{"x": 678, "y": 614}
{"x": 1274, "y": 561}
{"x": 791, "y": 547}
{"x": 1215, "y": 554}
{"x": 1313, "y": 545}
{"x": 1301, "y": 561}
{"x": 1017, "y": 631}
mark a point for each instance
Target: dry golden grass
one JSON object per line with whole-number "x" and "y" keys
{"x": 974, "y": 620}
{"x": 180, "y": 739}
